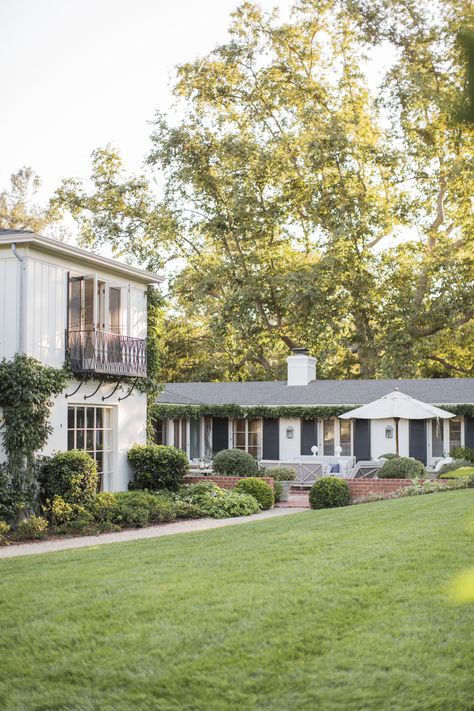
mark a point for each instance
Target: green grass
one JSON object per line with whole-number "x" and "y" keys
{"x": 335, "y": 609}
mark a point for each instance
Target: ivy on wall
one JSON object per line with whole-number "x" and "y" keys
{"x": 305, "y": 412}
{"x": 26, "y": 391}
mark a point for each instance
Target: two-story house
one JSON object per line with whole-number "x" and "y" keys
{"x": 58, "y": 303}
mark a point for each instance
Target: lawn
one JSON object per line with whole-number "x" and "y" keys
{"x": 335, "y": 609}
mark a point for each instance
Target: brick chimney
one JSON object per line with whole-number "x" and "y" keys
{"x": 301, "y": 367}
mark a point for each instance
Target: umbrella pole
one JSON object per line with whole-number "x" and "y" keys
{"x": 396, "y": 435}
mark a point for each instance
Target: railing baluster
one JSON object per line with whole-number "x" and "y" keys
{"x": 106, "y": 353}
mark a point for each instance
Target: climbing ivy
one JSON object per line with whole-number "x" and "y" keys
{"x": 305, "y": 412}
{"x": 26, "y": 391}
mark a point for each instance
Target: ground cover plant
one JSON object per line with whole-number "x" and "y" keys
{"x": 280, "y": 614}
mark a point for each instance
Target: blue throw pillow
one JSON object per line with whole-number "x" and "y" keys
{"x": 335, "y": 468}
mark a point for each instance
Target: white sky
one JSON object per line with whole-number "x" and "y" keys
{"x": 78, "y": 74}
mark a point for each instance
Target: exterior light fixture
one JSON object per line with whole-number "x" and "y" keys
{"x": 290, "y": 432}
{"x": 389, "y": 432}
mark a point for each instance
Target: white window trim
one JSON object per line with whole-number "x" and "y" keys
{"x": 231, "y": 434}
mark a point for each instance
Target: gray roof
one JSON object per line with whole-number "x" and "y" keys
{"x": 319, "y": 392}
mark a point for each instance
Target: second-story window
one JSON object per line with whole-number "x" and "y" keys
{"x": 115, "y": 311}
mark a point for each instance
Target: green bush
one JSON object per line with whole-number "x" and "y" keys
{"x": 15, "y": 496}
{"x": 401, "y": 468}
{"x": 457, "y": 464}
{"x": 70, "y": 475}
{"x": 389, "y": 455}
{"x": 157, "y": 467}
{"x": 234, "y": 462}
{"x": 33, "y": 528}
{"x": 4, "y": 529}
{"x": 259, "y": 489}
{"x": 212, "y": 501}
{"x": 465, "y": 453}
{"x": 136, "y": 509}
{"x": 461, "y": 473}
{"x": 277, "y": 491}
{"x": 281, "y": 473}
{"x": 329, "y": 492}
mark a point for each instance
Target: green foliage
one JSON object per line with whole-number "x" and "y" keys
{"x": 212, "y": 501}
{"x": 4, "y": 529}
{"x": 26, "y": 391}
{"x": 465, "y": 453}
{"x": 281, "y": 473}
{"x": 71, "y": 475}
{"x": 136, "y": 509}
{"x": 17, "y": 209}
{"x": 305, "y": 412}
{"x": 418, "y": 487}
{"x": 234, "y": 462}
{"x": 457, "y": 464}
{"x": 33, "y": 528}
{"x": 259, "y": 489}
{"x": 277, "y": 491}
{"x": 16, "y": 495}
{"x": 329, "y": 492}
{"x": 157, "y": 467}
{"x": 461, "y": 473}
{"x": 401, "y": 468}
{"x": 389, "y": 455}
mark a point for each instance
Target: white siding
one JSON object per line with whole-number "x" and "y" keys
{"x": 9, "y": 285}
{"x": 46, "y": 312}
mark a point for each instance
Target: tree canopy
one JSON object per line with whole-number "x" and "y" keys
{"x": 304, "y": 204}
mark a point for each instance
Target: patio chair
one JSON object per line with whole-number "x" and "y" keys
{"x": 366, "y": 469}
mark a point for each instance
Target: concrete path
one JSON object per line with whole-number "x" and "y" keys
{"x": 136, "y": 534}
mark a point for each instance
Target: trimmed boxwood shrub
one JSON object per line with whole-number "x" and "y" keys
{"x": 70, "y": 475}
{"x": 401, "y": 468}
{"x": 329, "y": 492}
{"x": 157, "y": 466}
{"x": 281, "y": 473}
{"x": 234, "y": 462}
{"x": 259, "y": 489}
{"x": 465, "y": 453}
{"x": 389, "y": 455}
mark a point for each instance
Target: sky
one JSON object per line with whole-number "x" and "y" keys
{"x": 78, "y": 74}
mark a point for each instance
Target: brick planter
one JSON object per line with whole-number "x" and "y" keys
{"x": 225, "y": 482}
{"x": 360, "y": 488}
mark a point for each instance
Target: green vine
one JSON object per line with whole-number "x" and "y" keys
{"x": 305, "y": 412}
{"x": 26, "y": 391}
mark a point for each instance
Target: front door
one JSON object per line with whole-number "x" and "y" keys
{"x": 417, "y": 440}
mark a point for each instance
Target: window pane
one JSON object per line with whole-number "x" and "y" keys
{"x": 99, "y": 439}
{"x": 158, "y": 431}
{"x": 79, "y": 417}
{"x": 90, "y": 417}
{"x": 70, "y": 439}
{"x": 80, "y": 439}
{"x": 90, "y": 440}
{"x": 176, "y": 433}
{"x": 99, "y": 458}
{"x": 454, "y": 433}
{"x": 195, "y": 438}
{"x": 207, "y": 437}
{"x": 99, "y": 419}
{"x": 345, "y": 435}
{"x": 239, "y": 440}
{"x": 184, "y": 434}
{"x": 328, "y": 437}
{"x": 70, "y": 418}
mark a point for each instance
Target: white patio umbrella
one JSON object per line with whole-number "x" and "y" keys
{"x": 397, "y": 406}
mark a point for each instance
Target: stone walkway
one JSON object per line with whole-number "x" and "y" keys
{"x": 136, "y": 534}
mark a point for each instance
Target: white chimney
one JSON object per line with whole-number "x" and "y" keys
{"x": 301, "y": 367}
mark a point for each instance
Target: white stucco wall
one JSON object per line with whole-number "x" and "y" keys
{"x": 129, "y": 424}
{"x": 290, "y": 448}
{"x": 381, "y": 445}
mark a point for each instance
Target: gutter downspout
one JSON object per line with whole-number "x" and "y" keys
{"x": 21, "y": 301}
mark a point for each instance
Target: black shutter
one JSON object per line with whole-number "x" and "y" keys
{"x": 469, "y": 432}
{"x": 271, "y": 439}
{"x": 309, "y": 435}
{"x": 220, "y": 434}
{"x": 362, "y": 440}
{"x": 417, "y": 440}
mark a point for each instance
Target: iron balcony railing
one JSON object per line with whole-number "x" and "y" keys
{"x": 106, "y": 353}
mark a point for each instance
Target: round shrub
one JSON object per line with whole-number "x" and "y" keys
{"x": 70, "y": 475}
{"x": 281, "y": 473}
{"x": 157, "y": 467}
{"x": 234, "y": 462}
{"x": 389, "y": 455}
{"x": 329, "y": 492}
{"x": 259, "y": 489}
{"x": 401, "y": 468}
{"x": 466, "y": 453}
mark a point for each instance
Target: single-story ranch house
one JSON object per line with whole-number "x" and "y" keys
{"x": 290, "y": 421}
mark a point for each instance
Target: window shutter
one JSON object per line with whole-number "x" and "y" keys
{"x": 309, "y": 435}
{"x": 271, "y": 439}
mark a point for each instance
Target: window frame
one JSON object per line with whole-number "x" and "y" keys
{"x": 246, "y": 447}
{"x": 109, "y": 433}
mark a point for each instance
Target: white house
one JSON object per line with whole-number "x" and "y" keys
{"x": 58, "y": 302}
{"x": 282, "y": 421}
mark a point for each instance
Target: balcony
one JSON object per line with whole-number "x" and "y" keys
{"x": 106, "y": 354}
